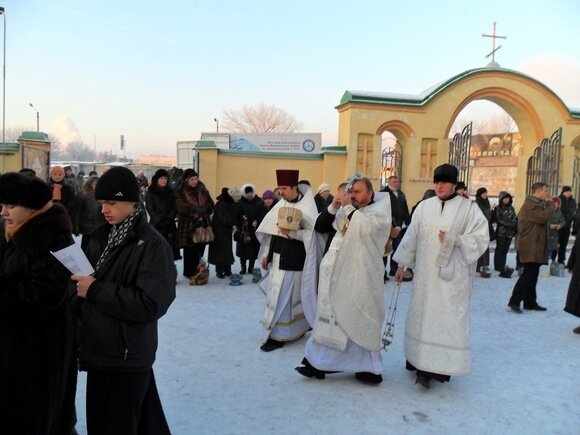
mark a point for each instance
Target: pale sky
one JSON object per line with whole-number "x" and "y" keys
{"x": 159, "y": 72}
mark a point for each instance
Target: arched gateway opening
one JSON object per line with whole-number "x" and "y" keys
{"x": 422, "y": 125}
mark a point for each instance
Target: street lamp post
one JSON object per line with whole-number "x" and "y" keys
{"x": 37, "y": 117}
{"x": 3, "y": 13}
{"x": 217, "y": 125}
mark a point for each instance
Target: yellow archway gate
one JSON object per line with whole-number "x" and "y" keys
{"x": 421, "y": 124}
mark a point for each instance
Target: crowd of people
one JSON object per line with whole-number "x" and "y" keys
{"x": 320, "y": 258}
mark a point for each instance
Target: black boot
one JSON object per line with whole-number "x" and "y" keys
{"x": 251, "y": 266}
{"x": 368, "y": 378}
{"x": 243, "y": 269}
{"x": 423, "y": 380}
{"x": 271, "y": 345}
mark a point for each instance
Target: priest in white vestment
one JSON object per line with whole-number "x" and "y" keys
{"x": 284, "y": 234}
{"x": 447, "y": 234}
{"x": 350, "y": 304}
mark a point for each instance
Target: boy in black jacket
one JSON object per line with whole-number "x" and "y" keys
{"x": 131, "y": 288}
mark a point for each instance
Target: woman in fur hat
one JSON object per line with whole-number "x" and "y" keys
{"x": 160, "y": 203}
{"x": 194, "y": 207}
{"x": 37, "y": 362}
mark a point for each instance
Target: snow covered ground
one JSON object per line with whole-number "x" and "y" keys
{"x": 213, "y": 379}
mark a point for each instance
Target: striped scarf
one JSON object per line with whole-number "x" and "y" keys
{"x": 117, "y": 235}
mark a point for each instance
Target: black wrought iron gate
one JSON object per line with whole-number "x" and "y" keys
{"x": 459, "y": 152}
{"x": 544, "y": 164}
{"x": 391, "y": 163}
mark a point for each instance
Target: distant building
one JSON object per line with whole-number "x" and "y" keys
{"x": 157, "y": 160}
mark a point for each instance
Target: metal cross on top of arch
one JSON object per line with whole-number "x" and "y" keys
{"x": 459, "y": 152}
{"x": 544, "y": 164}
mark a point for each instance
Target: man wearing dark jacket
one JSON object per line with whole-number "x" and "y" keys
{"x": 400, "y": 215}
{"x": 568, "y": 208}
{"x": 533, "y": 219}
{"x": 325, "y": 220}
{"x": 132, "y": 287}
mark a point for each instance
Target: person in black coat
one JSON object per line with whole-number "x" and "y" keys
{"x": 62, "y": 193}
{"x": 507, "y": 226}
{"x": 250, "y": 207}
{"x": 120, "y": 303}
{"x": 268, "y": 201}
{"x": 160, "y": 204}
{"x": 226, "y": 216}
{"x": 400, "y": 217}
{"x": 568, "y": 208}
{"x": 323, "y": 197}
{"x": 482, "y": 201}
{"x": 573, "y": 298}
{"x": 325, "y": 220}
{"x": 90, "y": 216}
{"x": 37, "y": 336}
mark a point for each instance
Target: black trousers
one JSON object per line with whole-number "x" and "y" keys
{"x": 525, "y": 288}
{"x": 393, "y": 264}
{"x": 483, "y": 261}
{"x": 191, "y": 257}
{"x": 124, "y": 404}
{"x": 502, "y": 246}
{"x": 563, "y": 238}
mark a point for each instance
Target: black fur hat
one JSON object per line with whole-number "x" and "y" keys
{"x": 117, "y": 184}
{"x": 25, "y": 190}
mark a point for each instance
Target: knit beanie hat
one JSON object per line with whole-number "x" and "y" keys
{"x": 117, "y": 184}
{"x": 235, "y": 193}
{"x": 268, "y": 194}
{"x": 24, "y": 190}
{"x": 323, "y": 188}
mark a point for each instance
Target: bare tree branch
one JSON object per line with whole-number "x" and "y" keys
{"x": 495, "y": 124}
{"x": 259, "y": 119}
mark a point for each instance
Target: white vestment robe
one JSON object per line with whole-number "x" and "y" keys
{"x": 437, "y": 324}
{"x": 283, "y": 317}
{"x": 350, "y": 293}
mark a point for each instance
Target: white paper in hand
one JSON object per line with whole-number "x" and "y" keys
{"x": 74, "y": 259}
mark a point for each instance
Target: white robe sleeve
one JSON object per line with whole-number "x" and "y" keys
{"x": 475, "y": 240}
{"x": 406, "y": 252}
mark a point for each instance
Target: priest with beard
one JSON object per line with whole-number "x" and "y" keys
{"x": 350, "y": 311}
{"x": 447, "y": 234}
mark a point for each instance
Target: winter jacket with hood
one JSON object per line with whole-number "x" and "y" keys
{"x": 505, "y": 217}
